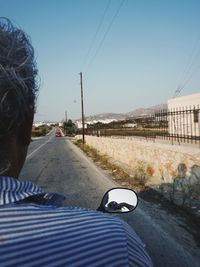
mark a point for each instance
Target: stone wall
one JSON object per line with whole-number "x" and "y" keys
{"x": 172, "y": 169}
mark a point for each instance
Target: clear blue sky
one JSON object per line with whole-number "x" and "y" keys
{"x": 140, "y": 62}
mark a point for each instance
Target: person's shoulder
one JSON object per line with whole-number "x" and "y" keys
{"x": 84, "y": 214}
{"x": 92, "y": 227}
{"x": 27, "y": 207}
{"x": 85, "y": 219}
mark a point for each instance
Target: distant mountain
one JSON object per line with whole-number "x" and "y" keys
{"x": 146, "y": 111}
{"x": 121, "y": 116}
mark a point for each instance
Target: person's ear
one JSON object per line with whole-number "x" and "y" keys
{"x": 24, "y": 133}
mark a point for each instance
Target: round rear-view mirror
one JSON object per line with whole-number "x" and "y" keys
{"x": 120, "y": 200}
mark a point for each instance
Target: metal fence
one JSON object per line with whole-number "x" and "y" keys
{"x": 179, "y": 125}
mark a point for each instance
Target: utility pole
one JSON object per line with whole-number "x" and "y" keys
{"x": 82, "y": 109}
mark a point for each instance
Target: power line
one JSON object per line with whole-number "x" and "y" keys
{"x": 190, "y": 68}
{"x": 97, "y": 31}
{"x": 106, "y": 33}
{"x": 186, "y": 81}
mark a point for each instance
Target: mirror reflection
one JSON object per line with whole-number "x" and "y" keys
{"x": 120, "y": 200}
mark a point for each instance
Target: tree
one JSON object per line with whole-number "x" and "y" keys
{"x": 70, "y": 128}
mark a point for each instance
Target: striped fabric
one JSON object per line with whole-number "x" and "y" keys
{"x": 12, "y": 190}
{"x": 44, "y": 235}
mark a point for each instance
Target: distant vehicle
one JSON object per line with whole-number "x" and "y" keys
{"x": 58, "y": 134}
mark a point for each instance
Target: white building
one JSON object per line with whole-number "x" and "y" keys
{"x": 184, "y": 115}
{"x": 40, "y": 123}
{"x": 87, "y": 122}
{"x": 79, "y": 124}
{"x": 37, "y": 124}
{"x": 130, "y": 125}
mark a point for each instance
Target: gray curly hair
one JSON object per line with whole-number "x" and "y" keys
{"x": 18, "y": 72}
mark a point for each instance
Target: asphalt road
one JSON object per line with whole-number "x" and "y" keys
{"x": 57, "y": 165}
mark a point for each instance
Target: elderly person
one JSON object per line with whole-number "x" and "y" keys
{"x": 34, "y": 231}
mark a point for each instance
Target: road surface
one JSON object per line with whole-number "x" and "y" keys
{"x": 57, "y": 165}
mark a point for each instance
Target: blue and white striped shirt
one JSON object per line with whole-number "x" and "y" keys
{"x": 33, "y": 234}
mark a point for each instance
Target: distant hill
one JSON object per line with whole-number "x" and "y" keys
{"x": 146, "y": 111}
{"x": 122, "y": 116}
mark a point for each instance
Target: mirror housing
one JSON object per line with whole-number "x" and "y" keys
{"x": 119, "y": 200}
